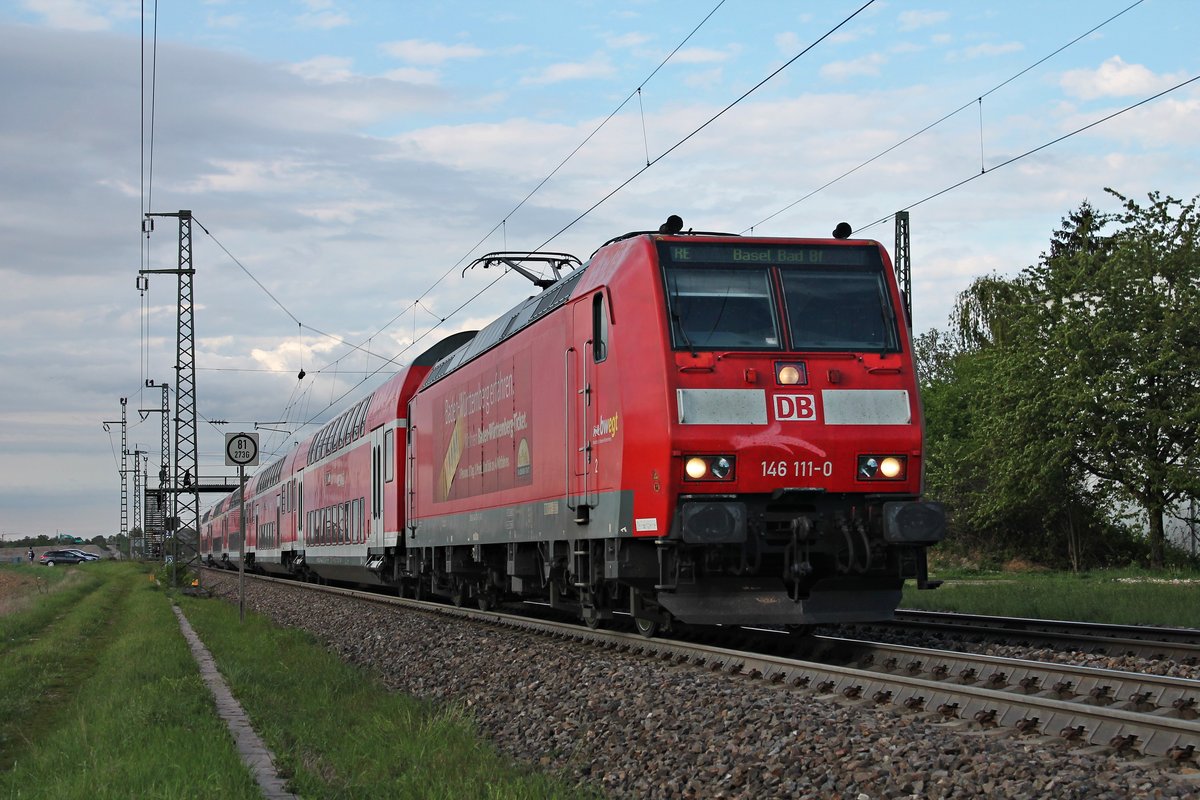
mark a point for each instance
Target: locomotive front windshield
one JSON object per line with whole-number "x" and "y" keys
{"x": 760, "y": 297}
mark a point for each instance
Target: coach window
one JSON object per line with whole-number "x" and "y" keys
{"x": 361, "y": 421}
{"x": 599, "y": 328}
{"x": 388, "y": 450}
{"x": 339, "y": 439}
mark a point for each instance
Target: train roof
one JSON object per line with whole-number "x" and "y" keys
{"x": 508, "y": 324}
{"x": 534, "y": 308}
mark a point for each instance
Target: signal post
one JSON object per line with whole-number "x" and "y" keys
{"x": 241, "y": 450}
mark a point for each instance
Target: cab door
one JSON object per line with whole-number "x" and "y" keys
{"x": 585, "y": 361}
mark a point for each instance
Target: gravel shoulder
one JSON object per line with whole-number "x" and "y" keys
{"x": 643, "y": 729}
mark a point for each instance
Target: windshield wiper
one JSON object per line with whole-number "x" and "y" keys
{"x": 683, "y": 332}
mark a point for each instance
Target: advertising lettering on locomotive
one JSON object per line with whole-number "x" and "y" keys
{"x": 690, "y": 427}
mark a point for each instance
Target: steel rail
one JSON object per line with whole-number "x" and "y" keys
{"x": 1178, "y": 644}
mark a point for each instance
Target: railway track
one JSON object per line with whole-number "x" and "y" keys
{"x": 1131, "y": 713}
{"x": 1157, "y": 643}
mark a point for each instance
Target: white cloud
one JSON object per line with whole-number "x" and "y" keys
{"x": 701, "y": 55}
{"x": 869, "y": 65}
{"x": 851, "y": 35}
{"x": 419, "y": 51}
{"x": 787, "y": 42}
{"x": 706, "y": 78}
{"x": 253, "y": 176}
{"x": 346, "y": 212}
{"x": 1115, "y": 78}
{"x": 598, "y": 67}
{"x": 323, "y": 20}
{"x": 324, "y": 69}
{"x": 912, "y": 20}
{"x": 986, "y": 50}
{"x": 82, "y": 15}
{"x": 420, "y": 77}
{"x": 627, "y": 40}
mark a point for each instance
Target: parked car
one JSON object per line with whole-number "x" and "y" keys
{"x": 52, "y": 557}
{"x": 85, "y": 554}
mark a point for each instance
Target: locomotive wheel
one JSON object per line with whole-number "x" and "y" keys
{"x": 485, "y": 600}
{"x": 646, "y": 627}
{"x": 591, "y": 616}
{"x": 458, "y": 595}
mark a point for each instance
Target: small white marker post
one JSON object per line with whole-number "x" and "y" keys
{"x": 241, "y": 450}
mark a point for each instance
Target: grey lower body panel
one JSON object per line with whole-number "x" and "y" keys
{"x": 350, "y": 569}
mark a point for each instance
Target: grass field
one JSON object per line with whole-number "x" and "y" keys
{"x": 1128, "y": 597}
{"x": 101, "y": 698}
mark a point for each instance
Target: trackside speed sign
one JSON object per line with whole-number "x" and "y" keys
{"x": 241, "y": 449}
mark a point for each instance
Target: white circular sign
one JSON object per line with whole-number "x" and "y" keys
{"x": 241, "y": 449}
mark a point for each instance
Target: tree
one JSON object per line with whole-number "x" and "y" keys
{"x": 992, "y": 456}
{"x": 1074, "y": 387}
{"x": 1111, "y": 340}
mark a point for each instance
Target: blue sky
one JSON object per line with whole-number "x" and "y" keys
{"x": 347, "y": 154}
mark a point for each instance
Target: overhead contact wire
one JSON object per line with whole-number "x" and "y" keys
{"x": 710, "y": 121}
{"x": 1037, "y": 149}
{"x": 942, "y": 119}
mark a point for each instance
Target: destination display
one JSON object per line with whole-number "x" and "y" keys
{"x": 805, "y": 255}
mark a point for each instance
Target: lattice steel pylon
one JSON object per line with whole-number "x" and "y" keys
{"x": 124, "y": 470}
{"x": 153, "y": 535}
{"x": 137, "y": 492}
{"x": 185, "y": 515}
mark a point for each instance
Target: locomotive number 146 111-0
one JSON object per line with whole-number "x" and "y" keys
{"x": 797, "y": 469}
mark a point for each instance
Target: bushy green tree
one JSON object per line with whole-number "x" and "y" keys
{"x": 1073, "y": 387}
{"x": 1114, "y": 336}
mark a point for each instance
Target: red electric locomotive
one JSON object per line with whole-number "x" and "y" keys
{"x": 706, "y": 428}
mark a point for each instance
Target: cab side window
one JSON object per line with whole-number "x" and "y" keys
{"x": 599, "y": 328}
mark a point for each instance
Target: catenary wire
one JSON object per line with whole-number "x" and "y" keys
{"x": 942, "y": 119}
{"x": 651, "y": 163}
{"x": 1037, "y": 149}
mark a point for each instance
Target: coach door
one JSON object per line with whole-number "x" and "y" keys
{"x": 377, "y": 474}
{"x": 588, "y": 352}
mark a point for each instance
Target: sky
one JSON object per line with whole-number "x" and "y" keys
{"x": 344, "y": 161}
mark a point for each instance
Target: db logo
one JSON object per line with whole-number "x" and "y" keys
{"x": 800, "y": 407}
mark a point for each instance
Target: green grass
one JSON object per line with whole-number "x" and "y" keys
{"x": 339, "y": 733}
{"x": 48, "y": 595}
{"x": 1129, "y": 597}
{"x": 101, "y": 699}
